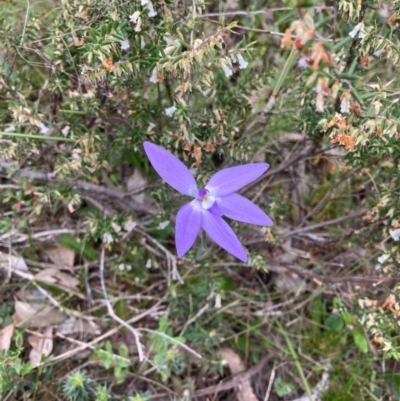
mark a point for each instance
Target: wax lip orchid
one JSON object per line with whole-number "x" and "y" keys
{"x": 209, "y": 204}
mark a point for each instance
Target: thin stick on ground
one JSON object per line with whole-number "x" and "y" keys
{"x": 271, "y": 380}
{"x": 354, "y": 215}
{"x": 195, "y": 317}
{"x": 231, "y": 383}
{"x": 81, "y": 186}
{"x": 171, "y": 259}
{"x": 173, "y": 340}
{"x": 111, "y": 310}
{"x": 73, "y": 341}
{"x": 234, "y": 13}
{"x": 297, "y": 231}
{"x": 108, "y": 334}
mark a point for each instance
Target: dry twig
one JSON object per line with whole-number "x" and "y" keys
{"x": 257, "y": 12}
{"x": 300, "y": 230}
{"x": 329, "y": 279}
{"x": 82, "y": 186}
{"x": 110, "y": 309}
{"x": 171, "y": 259}
{"x": 108, "y": 334}
{"x": 235, "y": 381}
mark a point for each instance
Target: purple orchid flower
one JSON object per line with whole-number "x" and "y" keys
{"x": 216, "y": 199}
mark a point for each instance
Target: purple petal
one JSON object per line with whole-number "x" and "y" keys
{"x": 214, "y": 209}
{"x": 188, "y": 224}
{"x": 171, "y": 169}
{"x": 228, "y": 181}
{"x": 220, "y": 232}
{"x": 237, "y": 207}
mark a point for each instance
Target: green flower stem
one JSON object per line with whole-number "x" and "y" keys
{"x": 296, "y": 361}
{"x": 32, "y": 136}
{"x": 81, "y": 113}
{"x": 286, "y": 68}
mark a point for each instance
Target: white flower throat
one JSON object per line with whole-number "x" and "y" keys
{"x": 206, "y": 199}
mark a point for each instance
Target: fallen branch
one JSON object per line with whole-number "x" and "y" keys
{"x": 233, "y": 382}
{"x": 111, "y": 312}
{"x": 318, "y": 278}
{"x": 111, "y": 332}
{"x": 291, "y": 233}
{"x": 237, "y": 379}
{"x": 82, "y": 186}
{"x": 171, "y": 259}
{"x": 340, "y": 219}
{"x": 257, "y": 12}
{"x": 304, "y": 154}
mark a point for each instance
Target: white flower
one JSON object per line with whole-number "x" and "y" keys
{"x": 358, "y": 29}
{"x": 152, "y": 12}
{"x": 172, "y": 42}
{"x": 319, "y": 102}
{"x": 387, "y": 346}
{"x": 169, "y": 111}
{"x": 148, "y": 264}
{"x": 89, "y": 94}
{"x": 377, "y": 106}
{"x": 10, "y": 128}
{"x": 163, "y": 224}
{"x": 242, "y": 62}
{"x": 395, "y": 234}
{"x": 153, "y": 77}
{"x": 217, "y": 301}
{"x": 302, "y": 63}
{"x": 149, "y": 4}
{"x": 383, "y": 258}
{"x": 130, "y": 225}
{"x": 43, "y": 129}
{"x": 75, "y": 154}
{"x": 345, "y": 105}
{"x": 116, "y": 227}
{"x": 135, "y": 18}
{"x": 108, "y": 238}
{"x": 125, "y": 44}
{"x": 227, "y": 69}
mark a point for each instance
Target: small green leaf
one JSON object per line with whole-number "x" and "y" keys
{"x": 360, "y": 341}
{"x": 25, "y": 369}
{"x": 341, "y": 43}
{"x": 121, "y": 309}
{"x": 337, "y": 303}
{"x": 357, "y": 96}
{"x": 334, "y": 323}
{"x": 18, "y": 366}
{"x": 232, "y": 25}
{"x": 347, "y": 318}
{"x": 123, "y": 351}
{"x": 70, "y": 242}
{"x": 282, "y": 388}
{"x": 179, "y": 339}
{"x": 163, "y": 324}
{"x": 105, "y": 357}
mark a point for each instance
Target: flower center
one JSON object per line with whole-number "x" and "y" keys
{"x": 205, "y": 198}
